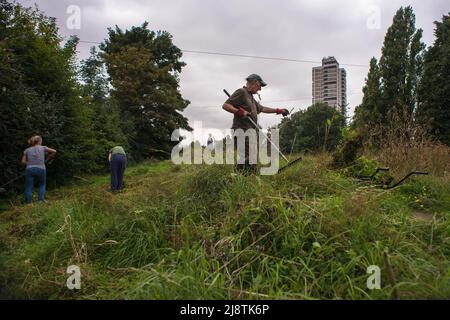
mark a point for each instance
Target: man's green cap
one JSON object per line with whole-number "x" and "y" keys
{"x": 256, "y": 77}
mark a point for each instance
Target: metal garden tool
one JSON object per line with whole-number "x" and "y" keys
{"x": 260, "y": 129}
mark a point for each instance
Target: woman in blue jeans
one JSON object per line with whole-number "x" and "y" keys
{"x": 34, "y": 159}
{"x": 118, "y": 161}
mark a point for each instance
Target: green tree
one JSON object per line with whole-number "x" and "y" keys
{"x": 368, "y": 113}
{"x": 144, "y": 66}
{"x": 94, "y": 80}
{"x": 400, "y": 65}
{"x": 107, "y": 123}
{"x": 392, "y": 84}
{"x": 40, "y": 94}
{"x": 317, "y": 128}
{"x": 434, "y": 97}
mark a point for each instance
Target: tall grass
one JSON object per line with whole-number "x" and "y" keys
{"x": 406, "y": 146}
{"x": 205, "y": 232}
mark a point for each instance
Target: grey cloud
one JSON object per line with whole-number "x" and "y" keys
{"x": 308, "y": 29}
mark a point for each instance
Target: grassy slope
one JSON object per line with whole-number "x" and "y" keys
{"x": 199, "y": 232}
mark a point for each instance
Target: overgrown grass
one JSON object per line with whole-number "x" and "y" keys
{"x": 204, "y": 232}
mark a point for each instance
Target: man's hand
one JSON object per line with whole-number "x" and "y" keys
{"x": 284, "y": 112}
{"x": 242, "y": 113}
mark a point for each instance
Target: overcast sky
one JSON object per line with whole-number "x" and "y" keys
{"x": 299, "y": 30}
